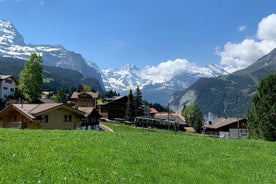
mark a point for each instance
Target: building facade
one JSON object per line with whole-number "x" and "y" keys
{"x": 8, "y": 87}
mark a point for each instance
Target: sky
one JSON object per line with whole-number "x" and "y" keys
{"x": 152, "y": 34}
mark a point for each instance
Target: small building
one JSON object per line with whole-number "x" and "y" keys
{"x": 85, "y": 99}
{"x": 174, "y": 117}
{"x": 227, "y": 128}
{"x": 114, "y": 108}
{"x": 152, "y": 112}
{"x": 91, "y": 118}
{"x": 8, "y": 87}
{"x": 41, "y": 116}
{"x": 172, "y": 121}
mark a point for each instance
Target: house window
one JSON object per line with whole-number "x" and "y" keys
{"x": 8, "y": 81}
{"x": 45, "y": 118}
{"x": 67, "y": 118}
{"x": 5, "y": 88}
{"x": 12, "y": 90}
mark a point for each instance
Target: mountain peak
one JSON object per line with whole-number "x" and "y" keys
{"x": 9, "y": 35}
{"x": 130, "y": 67}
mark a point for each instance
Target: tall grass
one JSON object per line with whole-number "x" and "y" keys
{"x": 132, "y": 156}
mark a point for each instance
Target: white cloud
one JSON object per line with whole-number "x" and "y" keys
{"x": 166, "y": 70}
{"x": 241, "y": 28}
{"x": 240, "y": 55}
{"x": 267, "y": 28}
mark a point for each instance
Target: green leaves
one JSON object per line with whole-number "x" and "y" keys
{"x": 31, "y": 79}
{"x": 262, "y": 119}
{"x": 193, "y": 116}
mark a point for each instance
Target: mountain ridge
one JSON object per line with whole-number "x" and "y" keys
{"x": 227, "y": 95}
{"x": 155, "y": 90}
{"x": 12, "y": 45}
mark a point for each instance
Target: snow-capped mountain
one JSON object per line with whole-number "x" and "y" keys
{"x": 124, "y": 79}
{"x": 12, "y": 45}
{"x": 155, "y": 89}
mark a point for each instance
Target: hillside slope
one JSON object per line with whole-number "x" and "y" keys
{"x": 12, "y": 45}
{"x": 54, "y": 77}
{"x": 228, "y": 95}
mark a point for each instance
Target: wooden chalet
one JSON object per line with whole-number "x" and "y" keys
{"x": 85, "y": 99}
{"x": 90, "y": 119}
{"x": 227, "y": 128}
{"x": 113, "y": 108}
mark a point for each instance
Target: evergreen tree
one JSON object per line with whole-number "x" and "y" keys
{"x": 139, "y": 111}
{"x": 31, "y": 79}
{"x": 262, "y": 117}
{"x": 62, "y": 96}
{"x": 130, "y": 107}
{"x": 110, "y": 94}
{"x": 193, "y": 116}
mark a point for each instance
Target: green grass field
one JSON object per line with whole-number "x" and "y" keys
{"x": 132, "y": 156}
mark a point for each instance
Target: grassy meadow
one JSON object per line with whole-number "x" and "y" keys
{"x": 132, "y": 156}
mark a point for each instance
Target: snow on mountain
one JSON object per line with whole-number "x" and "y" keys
{"x": 124, "y": 79}
{"x": 12, "y": 45}
{"x": 156, "y": 84}
{"x": 9, "y": 35}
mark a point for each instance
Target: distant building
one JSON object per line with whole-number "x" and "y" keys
{"x": 152, "y": 112}
{"x": 8, "y": 87}
{"x": 87, "y": 102}
{"x": 227, "y": 128}
{"x": 85, "y": 99}
{"x": 113, "y": 108}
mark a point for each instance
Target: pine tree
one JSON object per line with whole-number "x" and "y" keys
{"x": 262, "y": 117}
{"x": 129, "y": 116}
{"x": 193, "y": 116}
{"x": 31, "y": 79}
{"x": 138, "y": 103}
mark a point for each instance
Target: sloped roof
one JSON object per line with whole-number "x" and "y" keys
{"x": 33, "y": 110}
{"x": 86, "y": 110}
{"x": 43, "y": 101}
{"x": 172, "y": 116}
{"x": 221, "y": 122}
{"x": 117, "y": 98}
{"x": 75, "y": 95}
{"x": 2, "y": 77}
{"x": 153, "y": 111}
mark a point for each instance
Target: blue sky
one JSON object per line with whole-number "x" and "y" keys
{"x": 113, "y": 33}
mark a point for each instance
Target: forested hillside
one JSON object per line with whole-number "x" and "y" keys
{"x": 54, "y": 77}
{"x": 228, "y": 95}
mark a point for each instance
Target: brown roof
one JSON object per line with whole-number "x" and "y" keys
{"x": 172, "y": 116}
{"x": 86, "y": 110}
{"x": 32, "y": 110}
{"x": 153, "y": 111}
{"x": 75, "y": 95}
{"x": 43, "y": 101}
{"x": 221, "y": 122}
